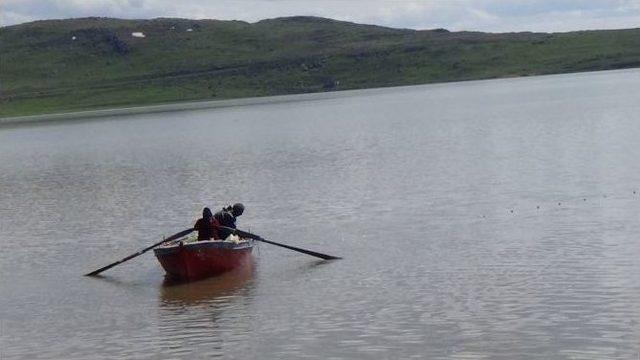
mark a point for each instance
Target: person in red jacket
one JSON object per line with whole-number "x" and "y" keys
{"x": 206, "y": 226}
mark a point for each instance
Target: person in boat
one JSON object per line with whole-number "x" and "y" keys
{"x": 206, "y": 226}
{"x": 227, "y": 218}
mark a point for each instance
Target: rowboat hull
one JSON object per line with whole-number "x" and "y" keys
{"x": 201, "y": 259}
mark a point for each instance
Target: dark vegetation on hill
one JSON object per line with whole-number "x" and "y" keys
{"x": 89, "y": 63}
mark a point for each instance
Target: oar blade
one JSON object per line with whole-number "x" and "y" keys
{"x": 304, "y": 251}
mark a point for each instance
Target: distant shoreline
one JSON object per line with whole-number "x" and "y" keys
{"x": 51, "y": 68}
{"x": 214, "y": 104}
{"x": 161, "y": 108}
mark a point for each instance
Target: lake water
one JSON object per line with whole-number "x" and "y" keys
{"x": 478, "y": 220}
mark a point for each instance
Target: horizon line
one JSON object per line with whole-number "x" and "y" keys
{"x": 312, "y": 17}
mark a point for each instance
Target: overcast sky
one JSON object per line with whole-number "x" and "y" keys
{"x": 481, "y": 15}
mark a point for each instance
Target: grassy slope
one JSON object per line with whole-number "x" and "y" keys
{"x": 42, "y": 70}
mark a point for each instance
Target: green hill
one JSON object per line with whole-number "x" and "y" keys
{"x": 90, "y": 63}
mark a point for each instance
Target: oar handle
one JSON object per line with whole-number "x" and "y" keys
{"x": 258, "y": 238}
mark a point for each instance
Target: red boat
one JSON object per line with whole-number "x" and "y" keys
{"x": 190, "y": 260}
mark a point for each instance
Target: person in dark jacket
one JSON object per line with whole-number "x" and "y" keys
{"x": 227, "y": 217}
{"x": 206, "y": 226}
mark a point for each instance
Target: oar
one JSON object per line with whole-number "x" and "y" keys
{"x": 256, "y": 237}
{"x": 170, "y": 238}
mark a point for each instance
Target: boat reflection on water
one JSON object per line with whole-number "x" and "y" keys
{"x": 214, "y": 289}
{"x": 202, "y": 317}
